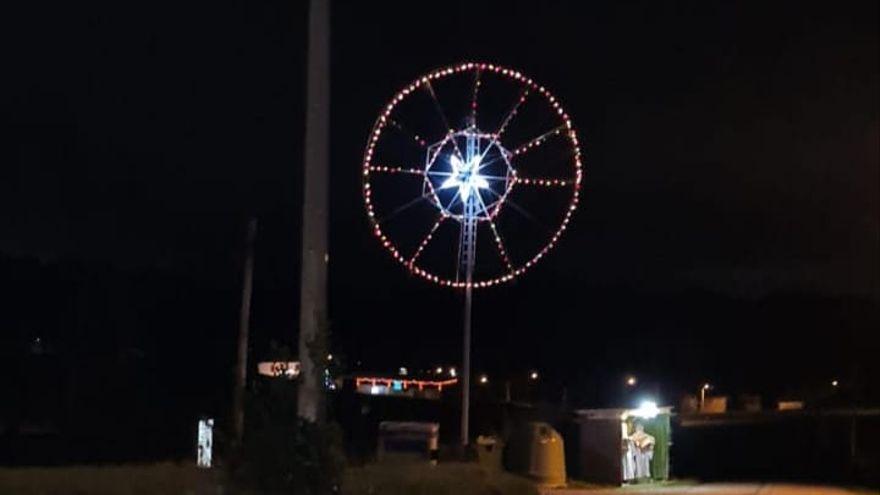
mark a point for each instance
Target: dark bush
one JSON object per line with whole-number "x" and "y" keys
{"x": 284, "y": 453}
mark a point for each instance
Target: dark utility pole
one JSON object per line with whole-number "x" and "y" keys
{"x": 313, "y": 285}
{"x": 243, "y": 331}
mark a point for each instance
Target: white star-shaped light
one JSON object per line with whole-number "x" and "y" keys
{"x": 466, "y": 176}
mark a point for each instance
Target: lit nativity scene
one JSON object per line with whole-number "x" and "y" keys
{"x": 622, "y": 446}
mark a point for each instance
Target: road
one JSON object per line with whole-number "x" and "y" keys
{"x": 712, "y": 489}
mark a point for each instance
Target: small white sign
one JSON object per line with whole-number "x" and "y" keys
{"x": 205, "y": 442}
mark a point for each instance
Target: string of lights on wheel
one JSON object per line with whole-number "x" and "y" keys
{"x": 461, "y": 179}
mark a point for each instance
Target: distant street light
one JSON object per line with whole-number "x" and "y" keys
{"x": 631, "y": 381}
{"x": 834, "y": 383}
{"x": 484, "y": 379}
{"x": 533, "y": 375}
{"x": 439, "y": 370}
{"x": 703, "y": 389}
{"x": 452, "y": 372}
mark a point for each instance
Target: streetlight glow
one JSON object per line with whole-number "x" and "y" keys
{"x": 647, "y": 409}
{"x": 631, "y": 381}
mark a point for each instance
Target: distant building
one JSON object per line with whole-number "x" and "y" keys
{"x": 790, "y": 405}
{"x": 402, "y": 386}
{"x": 749, "y": 402}
{"x": 716, "y": 404}
{"x": 713, "y": 404}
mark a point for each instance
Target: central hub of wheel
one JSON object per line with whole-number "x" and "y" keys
{"x": 468, "y": 175}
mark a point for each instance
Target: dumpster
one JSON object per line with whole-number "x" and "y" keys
{"x": 418, "y": 438}
{"x": 536, "y": 450}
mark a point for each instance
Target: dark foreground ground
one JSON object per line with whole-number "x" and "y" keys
{"x": 174, "y": 479}
{"x": 715, "y": 489}
{"x": 385, "y": 479}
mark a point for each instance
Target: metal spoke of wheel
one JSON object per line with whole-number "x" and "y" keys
{"x": 395, "y": 170}
{"x": 539, "y": 140}
{"x": 430, "y": 89}
{"x": 402, "y": 208}
{"x": 522, "y": 211}
{"x": 412, "y": 135}
{"x": 474, "y": 97}
{"x": 498, "y": 243}
{"x": 490, "y": 162}
{"x": 544, "y": 181}
{"x": 519, "y": 101}
{"x": 426, "y": 240}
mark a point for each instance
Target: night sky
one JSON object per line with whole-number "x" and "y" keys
{"x": 729, "y": 228}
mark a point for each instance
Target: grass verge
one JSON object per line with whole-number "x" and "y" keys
{"x": 453, "y": 478}
{"x": 148, "y": 479}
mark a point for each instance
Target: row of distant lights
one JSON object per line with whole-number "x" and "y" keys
{"x": 385, "y": 118}
{"x": 482, "y": 379}
{"x": 632, "y": 381}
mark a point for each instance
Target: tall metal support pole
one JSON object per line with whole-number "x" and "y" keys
{"x": 243, "y": 332}
{"x": 313, "y": 286}
{"x": 466, "y": 370}
{"x": 468, "y": 252}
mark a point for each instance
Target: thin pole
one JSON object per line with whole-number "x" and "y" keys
{"x": 243, "y": 332}
{"x": 469, "y": 238}
{"x": 313, "y": 283}
{"x": 466, "y": 366}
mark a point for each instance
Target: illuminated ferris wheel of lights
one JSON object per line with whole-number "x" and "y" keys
{"x": 471, "y": 175}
